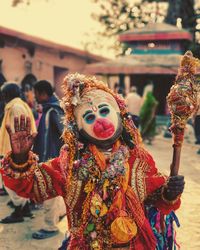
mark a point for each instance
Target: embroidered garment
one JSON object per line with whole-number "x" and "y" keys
{"x": 103, "y": 173}
{"x": 48, "y": 180}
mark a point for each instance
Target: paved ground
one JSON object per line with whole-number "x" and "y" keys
{"x": 18, "y": 236}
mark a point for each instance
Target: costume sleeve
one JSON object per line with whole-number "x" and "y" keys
{"x": 38, "y": 182}
{"x": 148, "y": 183}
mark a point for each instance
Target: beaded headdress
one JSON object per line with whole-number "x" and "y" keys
{"x": 75, "y": 87}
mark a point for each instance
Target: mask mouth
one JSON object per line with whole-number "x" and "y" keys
{"x": 103, "y": 128}
{"x": 102, "y": 143}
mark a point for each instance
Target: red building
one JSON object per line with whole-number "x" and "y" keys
{"x": 25, "y": 59}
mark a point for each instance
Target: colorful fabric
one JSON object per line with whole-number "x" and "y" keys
{"x": 182, "y": 98}
{"x": 163, "y": 228}
{"x": 147, "y": 116}
{"x": 104, "y": 185}
{"x": 49, "y": 180}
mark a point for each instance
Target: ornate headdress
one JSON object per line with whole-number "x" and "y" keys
{"x": 75, "y": 86}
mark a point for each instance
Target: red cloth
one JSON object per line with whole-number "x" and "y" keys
{"x": 49, "y": 180}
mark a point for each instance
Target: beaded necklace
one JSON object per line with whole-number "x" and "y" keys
{"x": 104, "y": 180}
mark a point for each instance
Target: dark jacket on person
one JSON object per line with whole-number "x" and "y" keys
{"x": 48, "y": 140}
{"x": 1, "y": 112}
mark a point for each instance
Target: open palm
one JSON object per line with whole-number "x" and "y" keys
{"x": 21, "y": 139}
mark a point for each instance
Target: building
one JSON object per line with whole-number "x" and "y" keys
{"x": 25, "y": 59}
{"x": 154, "y": 57}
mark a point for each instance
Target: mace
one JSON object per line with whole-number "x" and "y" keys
{"x": 182, "y": 102}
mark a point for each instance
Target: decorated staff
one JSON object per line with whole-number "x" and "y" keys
{"x": 182, "y": 102}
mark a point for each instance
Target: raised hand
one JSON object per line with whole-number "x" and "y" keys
{"x": 21, "y": 140}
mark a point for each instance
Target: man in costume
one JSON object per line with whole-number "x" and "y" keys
{"x": 103, "y": 173}
{"x": 49, "y": 133}
{"x": 134, "y": 103}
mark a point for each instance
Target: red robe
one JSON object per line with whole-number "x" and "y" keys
{"x": 48, "y": 180}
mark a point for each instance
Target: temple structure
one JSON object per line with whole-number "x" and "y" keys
{"x": 154, "y": 56}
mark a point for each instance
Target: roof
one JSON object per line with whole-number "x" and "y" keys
{"x": 49, "y": 44}
{"x": 155, "y": 31}
{"x": 137, "y": 64}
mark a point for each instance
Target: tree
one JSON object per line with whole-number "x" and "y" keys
{"x": 17, "y": 2}
{"x": 183, "y": 9}
{"x": 118, "y": 16}
{"x": 189, "y": 15}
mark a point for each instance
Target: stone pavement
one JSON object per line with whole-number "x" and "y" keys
{"x": 18, "y": 236}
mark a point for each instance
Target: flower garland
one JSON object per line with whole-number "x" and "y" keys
{"x": 104, "y": 202}
{"x": 22, "y": 171}
{"x": 74, "y": 87}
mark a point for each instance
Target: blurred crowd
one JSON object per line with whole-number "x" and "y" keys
{"x": 43, "y": 107}
{"x": 143, "y": 111}
{"x": 41, "y": 104}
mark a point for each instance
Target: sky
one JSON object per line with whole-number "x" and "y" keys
{"x": 61, "y": 21}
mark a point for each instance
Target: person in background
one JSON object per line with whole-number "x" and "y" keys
{"x": 116, "y": 88}
{"x": 134, "y": 102}
{"x": 50, "y": 126}
{"x": 2, "y": 189}
{"x": 121, "y": 92}
{"x": 47, "y": 146}
{"x": 148, "y": 118}
{"x": 1, "y": 109}
{"x": 14, "y": 106}
{"x": 196, "y": 119}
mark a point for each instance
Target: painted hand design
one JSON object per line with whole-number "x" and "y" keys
{"x": 21, "y": 139}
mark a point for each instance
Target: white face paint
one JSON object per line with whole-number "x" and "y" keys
{"x": 98, "y": 115}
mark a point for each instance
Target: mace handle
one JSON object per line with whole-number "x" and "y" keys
{"x": 174, "y": 168}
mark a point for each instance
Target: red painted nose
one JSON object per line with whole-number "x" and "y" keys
{"x": 103, "y": 128}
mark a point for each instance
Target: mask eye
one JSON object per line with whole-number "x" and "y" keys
{"x": 104, "y": 111}
{"x": 90, "y": 118}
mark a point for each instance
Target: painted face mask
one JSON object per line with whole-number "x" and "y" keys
{"x": 94, "y": 114}
{"x": 98, "y": 118}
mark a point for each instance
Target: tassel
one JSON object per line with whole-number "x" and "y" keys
{"x": 166, "y": 240}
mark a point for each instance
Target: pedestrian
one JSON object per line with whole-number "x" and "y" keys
{"x": 196, "y": 119}
{"x": 116, "y": 88}
{"x": 14, "y": 107}
{"x": 148, "y": 118}
{"x": 47, "y": 146}
{"x": 105, "y": 178}
{"x": 134, "y": 102}
{"x": 2, "y": 189}
{"x": 51, "y": 125}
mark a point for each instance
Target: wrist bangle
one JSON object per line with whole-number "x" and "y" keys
{"x": 171, "y": 202}
{"x": 20, "y": 167}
